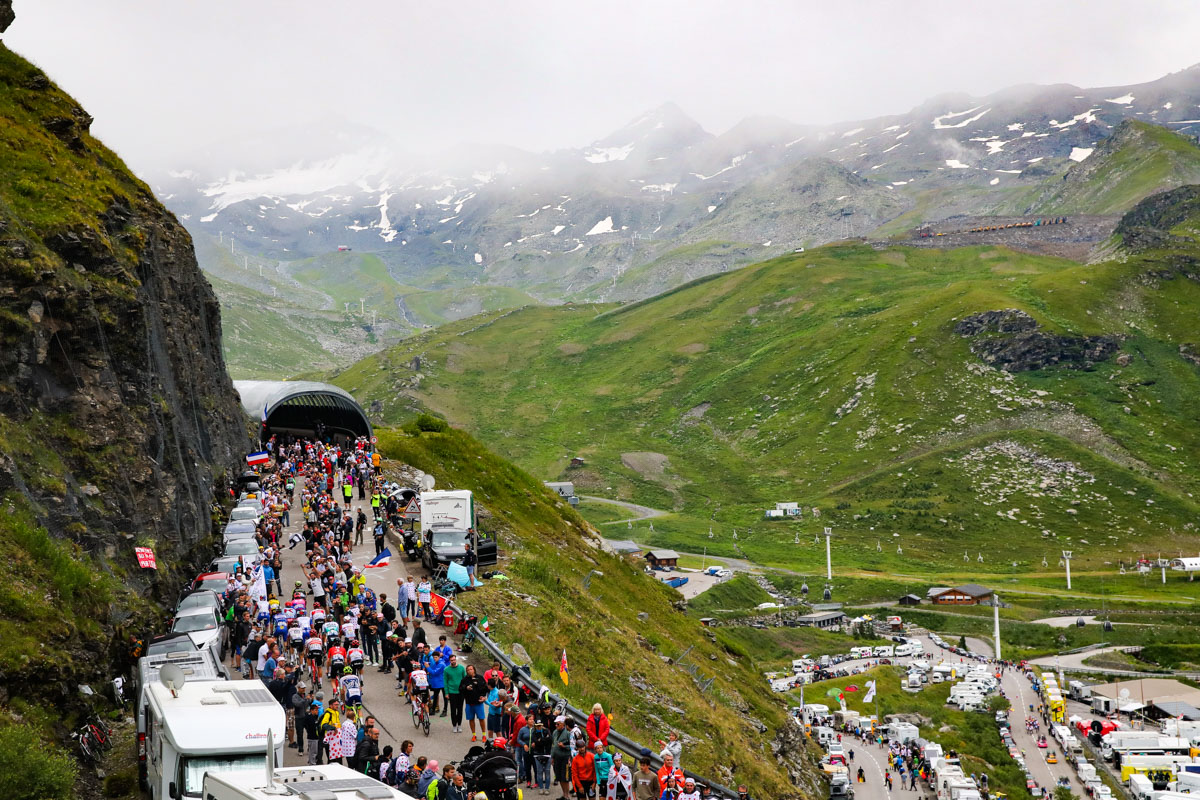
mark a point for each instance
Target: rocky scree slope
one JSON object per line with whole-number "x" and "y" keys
{"x": 117, "y": 418}
{"x": 1137, "y": 160}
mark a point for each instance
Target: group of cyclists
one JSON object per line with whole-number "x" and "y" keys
{"x": 330, "y": 626}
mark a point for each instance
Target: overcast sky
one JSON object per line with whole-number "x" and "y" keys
{"x": 165, "y": 78}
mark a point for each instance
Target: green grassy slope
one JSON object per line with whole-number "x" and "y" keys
{"x": 834, "y": 378}
{"x": 614, "y": 655}
{"x": 1138, "y": 160}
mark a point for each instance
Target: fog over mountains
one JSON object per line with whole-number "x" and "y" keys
{"x": 660, "y": 200}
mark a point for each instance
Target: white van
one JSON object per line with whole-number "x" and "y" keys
{"x": 330, "y": 781}
{"x": 197, "y": 665}
{"x": 904, "y": 650}
{"x": 883, "y": 651}
{"x": 207, "y": 727}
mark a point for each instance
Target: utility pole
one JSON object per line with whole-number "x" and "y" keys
{"x": 996, "y": 620}
{"x": 1067, "y": 559}
{"x": 828, "y": 555}
{"x": 361, "y": 306}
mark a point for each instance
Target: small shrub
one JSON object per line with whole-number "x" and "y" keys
{"x": 431, "y": 424}
{"x": 32, "y": 770}
{"x": 121, "y": 784}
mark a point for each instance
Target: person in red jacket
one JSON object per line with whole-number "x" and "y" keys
{"x": 583, "y": 774}
{"x": 597, "y": 726}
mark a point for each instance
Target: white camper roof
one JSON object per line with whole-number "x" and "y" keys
{"x": 218, "y": 717}
{"x": 323, "y": 782}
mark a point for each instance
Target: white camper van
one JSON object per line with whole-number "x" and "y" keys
{"x": 327, "y": 781}
{"x": 196, "y": 665}
{"x": 196, "y": 728}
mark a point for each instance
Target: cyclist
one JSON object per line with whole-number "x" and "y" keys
{"x": 350, "y": 628}
{"x": 298, "y": 592}
{"x": 356, "y": 656}
{"x": 315, "y": 650}
{"x": 351, "y": 689}
{"x": 330, "y": 630}
{"x": 418, "y": 689}
{"x": 337, "y": 662}
{"x": 295, "y": 637}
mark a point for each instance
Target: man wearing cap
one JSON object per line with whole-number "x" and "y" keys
{"x": 689, "y": 790}
{"x": 539, "y": 749}
{"x": 299, "y": 705}
{"x": 560, "y": 755}
{"x": 620, "y": 780}
{"x": 583, "y": 773}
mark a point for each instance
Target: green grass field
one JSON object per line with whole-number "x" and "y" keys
{"x": 834, "y": 378}
{"x": 613, "y": 654}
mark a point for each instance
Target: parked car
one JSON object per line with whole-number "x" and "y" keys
{"x": 205, "y": 625}
{"x": 242, "y": 513}
{"x": 202, "y": 599}
{"x": 246, "y": 548}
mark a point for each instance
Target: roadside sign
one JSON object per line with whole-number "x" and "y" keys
{"x": 374, "y": 440}
{"x": 145, "y": 558}
{"x": 413, "y": 509}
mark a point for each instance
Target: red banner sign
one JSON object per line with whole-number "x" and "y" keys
{"x": 145, "y": 558}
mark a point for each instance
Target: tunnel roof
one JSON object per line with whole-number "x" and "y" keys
{"x": 261, "y": 398}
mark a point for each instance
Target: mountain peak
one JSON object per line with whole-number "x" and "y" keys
{"x": 661, "y": 132}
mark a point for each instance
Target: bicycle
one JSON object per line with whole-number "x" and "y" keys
{"x": 87, "y": 750}
{"x": 100, "y": 731}
{"x": 420, "y": 717}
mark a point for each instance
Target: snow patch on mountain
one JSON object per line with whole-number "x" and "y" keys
{"x": 733, "y": 163}
{"x": 954, "y": 163}
{"x": 1080, "y": 153}
{"x": 298, "y": 179}
{"x": 1123, "y": 100}
{"x": 603, "y": 155}
{"x": 386, "y": 231}
{"x": 851, "y": 132}
{"x": 941, "y": 123}
{"x": 603, "y": 226}
{"x": 661, "y": 188}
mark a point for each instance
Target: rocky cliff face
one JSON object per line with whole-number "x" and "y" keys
{"x": 117, "y": 417}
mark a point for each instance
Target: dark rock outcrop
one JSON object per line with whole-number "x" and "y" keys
{"x": 1147, "y": 226}
{"x": 117, "y": 419}
{"x": 1010, "y": 320}
{"x": 6, "y": 15}
{"x": 1037, "y": 350}
{"x": 1020, "y": 346}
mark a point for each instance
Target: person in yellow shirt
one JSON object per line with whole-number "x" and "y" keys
{"x": 375, "y": 461}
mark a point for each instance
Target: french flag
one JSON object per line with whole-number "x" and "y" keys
{"x": 381, "y": 560}
{"x": 258, "y": 458}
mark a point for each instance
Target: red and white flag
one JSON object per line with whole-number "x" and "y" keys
{"x": 145, "y": 558}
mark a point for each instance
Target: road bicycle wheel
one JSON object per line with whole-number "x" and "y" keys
{"x": 416, "y": 718}
{"x": 425, "y": 725}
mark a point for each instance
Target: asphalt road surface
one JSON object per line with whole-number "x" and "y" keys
{"x": 379, "y": 690}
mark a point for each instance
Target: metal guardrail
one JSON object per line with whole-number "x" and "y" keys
{"x": 520, "y": 672}
{"x": 634, "y": 749}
